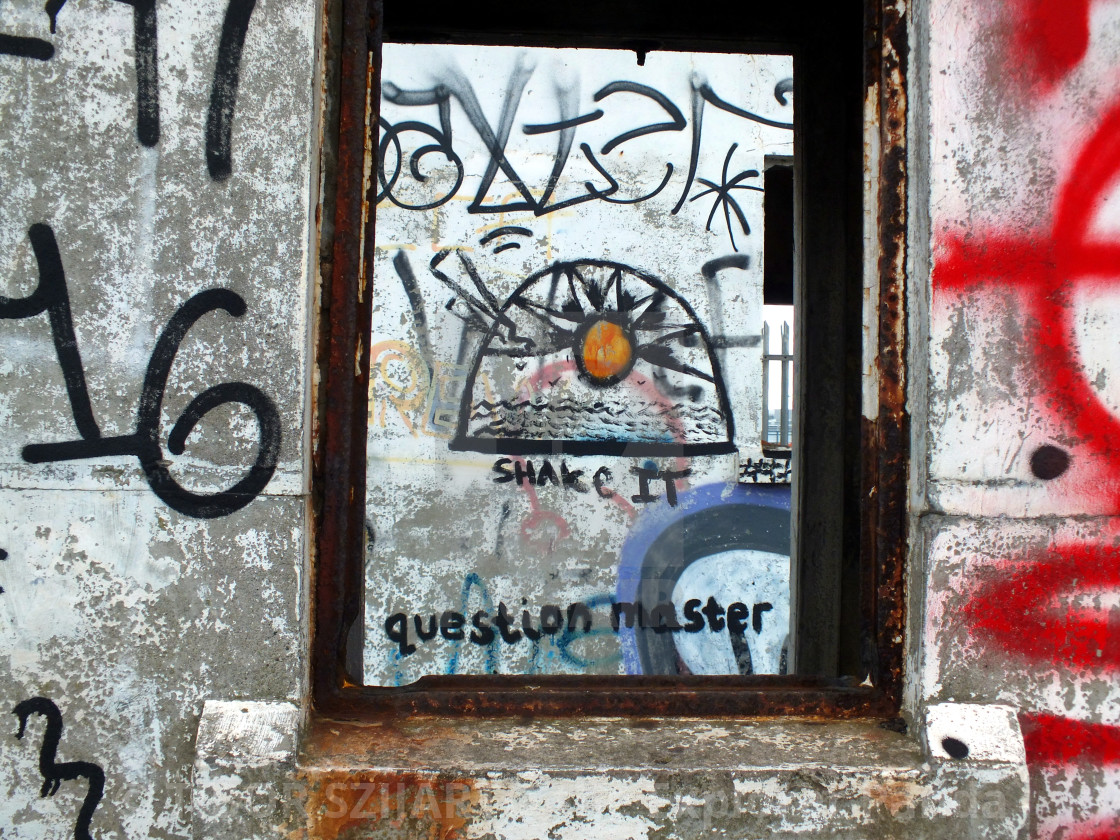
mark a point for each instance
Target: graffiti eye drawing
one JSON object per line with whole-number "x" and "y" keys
{"x": 580, "y": 358}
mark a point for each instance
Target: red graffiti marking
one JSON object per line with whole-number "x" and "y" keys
{"x": 1029, "y": 612}
{"x": 1055, "y": 740}
{"x": 976, "y": 259}
{"x": 1051, "y": 37}
{"x": 541, "y": 529}
{"x": 1045, "y": 268}
{"x": 1040, "y": 608}
{"x": 1060, "y": 743}
{"x": 1106, "y": 829}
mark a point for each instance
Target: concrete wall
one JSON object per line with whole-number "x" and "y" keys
{"x": 1021, "y": 605}
{"x": 157, "y": 242}
{"x": 154, "y": 159}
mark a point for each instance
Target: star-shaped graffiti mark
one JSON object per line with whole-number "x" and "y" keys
{"x": 724, "y": 197}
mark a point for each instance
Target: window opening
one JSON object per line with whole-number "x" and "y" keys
{"x": 777, "y": 381}
{"x": 778, "y": 320}
{"x": 567, "y": 366}
{"x": 849, "y": 499}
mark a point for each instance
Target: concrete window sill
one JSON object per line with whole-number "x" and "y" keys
{"x": 260, "y": 774}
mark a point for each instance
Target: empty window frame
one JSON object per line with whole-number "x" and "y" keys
{"x": 849, "y": 511}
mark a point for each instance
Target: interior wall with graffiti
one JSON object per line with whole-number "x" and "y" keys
{"x": 1024, "y": 471}
{"x": 566, "y": 472}
{"x": 566, "y": 354}
{"x": 157, "y": 165}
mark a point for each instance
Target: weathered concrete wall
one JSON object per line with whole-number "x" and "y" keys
{"x": 629, "y": 779}
{"x": 1021, "y": 605}
{"x": 158, "y": 163}
{"x": 155, "y": 238}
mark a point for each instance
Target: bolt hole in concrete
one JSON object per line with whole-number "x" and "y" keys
{"x": 580, "y": 433}
{"x": 955, "y": 748}
{"x": 1049, "y": 462}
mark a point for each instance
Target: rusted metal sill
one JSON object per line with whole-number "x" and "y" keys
{"x": 562, "y": 696}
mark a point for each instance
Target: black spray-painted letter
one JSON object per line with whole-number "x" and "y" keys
{"x": 53, "y": 772}
{"x": 24, "y": 47}
{"x": 223, "y": 93}
{"x": 146, "y": 57}
{"x": 51, "y": 296}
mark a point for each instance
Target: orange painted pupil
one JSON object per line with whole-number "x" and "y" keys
{"x": 606, "y": 350}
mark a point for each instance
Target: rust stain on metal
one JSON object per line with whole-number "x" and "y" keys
{"x": 886, "y": 439}
{"x": 373, "y": 88}
{"x": 337, "y": 740}
{"x": 341, "y": 475}
{"x": 342, "y": 804}
{"x": 630, "y": 696}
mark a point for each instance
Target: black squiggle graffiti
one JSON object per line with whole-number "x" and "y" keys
{"x": 3, "y": 556}
{"x": 495, "y": 140}
{"x": 782, "y": 90}
{"x": 442, "y": 145}
{"x": 505, "y": 230}
{"x": 458, "y": 86}
{"x": 24, "y": 47}
{"x": 567, "y": 98}
{"x": 52, "y": 8}
{"x": 146, "y": 52}
{"x": 416, "y": 302}
{"x": 706, "y": 92}
{"x": 650, "y": 320}
{"x": 676, "y": 123}
{"x": 702, "y": 93}
{"x": 223, "y": 93}
{"x": 54, "y": 773}
{"x": 774, "y": 470}
{"x": 51, "y": 296}
{"x": 454, "y": 85}
{"x": 723, "y": 196}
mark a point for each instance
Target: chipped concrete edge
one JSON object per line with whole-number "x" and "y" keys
{"x": 250, "y": 782}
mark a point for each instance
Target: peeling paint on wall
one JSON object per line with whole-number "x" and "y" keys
{"x": 154, "y": 252}
{"x": 1024, "y": 132}
{"x": 155, "y": 242}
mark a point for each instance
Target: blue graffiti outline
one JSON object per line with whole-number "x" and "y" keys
{"x": 470, "y": 581}
{"x": 657, "y": 518}
{"x": 567, "y": 637}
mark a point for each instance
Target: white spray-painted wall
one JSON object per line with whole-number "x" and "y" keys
{"x": 1022, "y": 605}
{"x": 645, "y": 214}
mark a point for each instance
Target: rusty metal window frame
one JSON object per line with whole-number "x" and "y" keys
{"x": 847, "y": 572}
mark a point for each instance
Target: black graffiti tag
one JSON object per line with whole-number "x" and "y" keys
{"x": 51, "y": 296}
{"x": 145, "y": 31}
{"x": 53, "y": 772}
{"x": 24, "y": 47}
{"x": 456, "y": 86}
{"x": 453, "y": 85}
{"x": 223, "y": 93}
{"x": 146, "y": 57}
